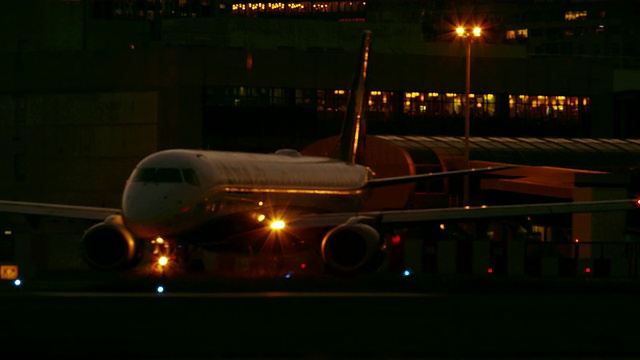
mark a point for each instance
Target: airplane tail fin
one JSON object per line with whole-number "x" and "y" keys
{"x": 352, "y": 136}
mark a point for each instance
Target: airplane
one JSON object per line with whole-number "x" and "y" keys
{"x": 222, "y": 199}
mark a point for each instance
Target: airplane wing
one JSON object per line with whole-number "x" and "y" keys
{"x": 416, "y": 178}
{"x": 70, "y": 211}
{"x": 477, "y": 212}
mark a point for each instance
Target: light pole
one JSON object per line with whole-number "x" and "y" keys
{"x": 467, "y": 35}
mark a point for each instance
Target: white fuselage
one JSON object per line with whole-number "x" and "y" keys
{"x": 174, "y": 191}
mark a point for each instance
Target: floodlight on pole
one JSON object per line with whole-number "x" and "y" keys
{"x": 468, "y": 35}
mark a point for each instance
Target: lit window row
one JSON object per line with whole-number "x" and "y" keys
{"x": 575, "y": 15}
{"x": 298, "y": 7}
{"x": 446, "y": 104}
{"x": 149, "y": 9}
{"x": 557, "y": 32}
{"x": 384, "y": 104}
{"x": 520, "y": 34}
{"x": 542, "y": 106}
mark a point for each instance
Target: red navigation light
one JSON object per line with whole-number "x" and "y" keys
{"x": 395, "y": 239}
{"x": 490, "y": 271}
{"x": 303, "y": 266}
{"x": 587, "y": 270}
{"x": 638, "y": 202}
{"x": 577, "y": 240}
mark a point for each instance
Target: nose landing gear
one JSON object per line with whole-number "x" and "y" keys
{"x": 174, "y": 257}
{"x": 164, "y": 254}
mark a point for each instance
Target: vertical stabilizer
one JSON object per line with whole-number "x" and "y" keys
{"x": 352, "y": 136}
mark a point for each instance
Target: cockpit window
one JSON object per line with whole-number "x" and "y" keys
{"x": 158, "y": 175}
{"x": 166, "y": 175}
{"x": 190, "y": 177}
{"x": 145, "y": 175}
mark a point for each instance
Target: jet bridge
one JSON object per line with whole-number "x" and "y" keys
{"x": 551, "y": 170}
{"x": 551, "y": 167}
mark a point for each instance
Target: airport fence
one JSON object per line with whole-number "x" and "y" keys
{"x": 521, "y": 258}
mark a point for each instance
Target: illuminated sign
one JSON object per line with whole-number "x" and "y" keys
{"x": 8, "y": 272}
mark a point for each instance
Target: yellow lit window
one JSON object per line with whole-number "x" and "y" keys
{"x": 276, "y": 7}
{"x": 575, "y": 15}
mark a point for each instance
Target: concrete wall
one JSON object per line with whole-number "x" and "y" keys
{"x": 75, "y": 148}
{"x": 40, "y": 25}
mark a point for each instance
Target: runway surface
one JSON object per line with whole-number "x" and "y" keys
{"x": 403, "y": 318}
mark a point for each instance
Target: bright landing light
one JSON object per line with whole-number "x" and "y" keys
{"x": 277, "y": 225}
{"x": 163, "y": 260}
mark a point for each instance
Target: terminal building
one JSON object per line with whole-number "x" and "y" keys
{"x": 92, "y": 86}
{"x": 95, "y": 85}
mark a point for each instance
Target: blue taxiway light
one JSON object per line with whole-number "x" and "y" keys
{"x": 407, "y": 272}
{"x": 160, "y": 289}
{"x": 17, "y": 282}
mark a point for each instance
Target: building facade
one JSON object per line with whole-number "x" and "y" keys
{"x": 93, "y": 86}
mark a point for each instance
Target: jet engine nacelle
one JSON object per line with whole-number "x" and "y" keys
{"x": 352, "y": 247}
{"x": 110, "y": 246}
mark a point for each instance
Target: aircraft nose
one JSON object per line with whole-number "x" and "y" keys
{"x": 148, "y": 213}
